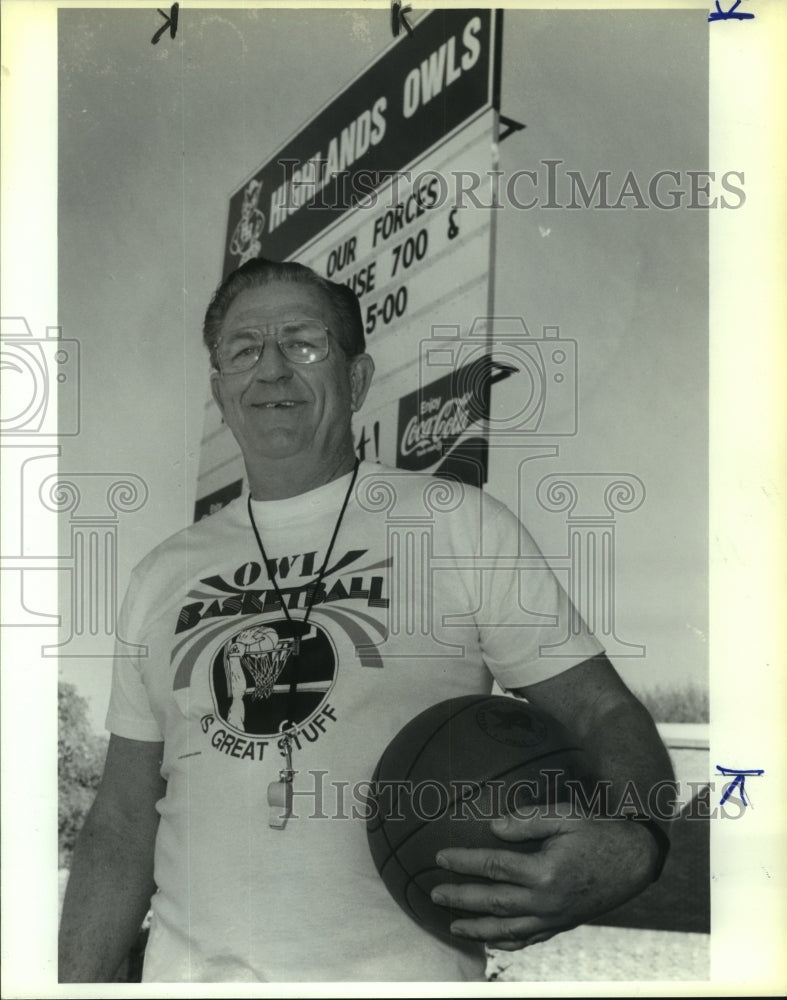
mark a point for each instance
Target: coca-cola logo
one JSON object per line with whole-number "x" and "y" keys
{"x": 438, "y": 423}
{"x": 435, "y": 421}
{"x": 435, "y": 418}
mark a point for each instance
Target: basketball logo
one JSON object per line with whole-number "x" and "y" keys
{"x": 252, "y": 676}
{"x": 511, "y": 725}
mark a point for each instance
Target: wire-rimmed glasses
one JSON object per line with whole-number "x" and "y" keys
{"x": 301, "y": 341}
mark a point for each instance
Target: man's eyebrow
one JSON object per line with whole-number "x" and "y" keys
{"x": 251, "y": 320}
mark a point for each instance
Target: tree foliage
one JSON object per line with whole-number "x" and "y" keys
{"x": 688, "y": 703}
{"x": 81, "y": 754}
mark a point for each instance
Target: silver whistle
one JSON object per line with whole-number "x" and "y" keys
{"x": 280, "y": 792}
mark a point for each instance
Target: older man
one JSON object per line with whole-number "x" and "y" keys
{"x": 277, "y": 670}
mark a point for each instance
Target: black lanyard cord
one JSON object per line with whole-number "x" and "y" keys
{"x": 312, "y": 588}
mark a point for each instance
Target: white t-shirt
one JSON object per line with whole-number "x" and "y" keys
{"x": 433, "y": 588}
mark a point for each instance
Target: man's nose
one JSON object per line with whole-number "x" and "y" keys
{"x": 272, "y": 364}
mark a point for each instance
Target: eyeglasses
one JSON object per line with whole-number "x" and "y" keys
{"x": 301, "y": 341}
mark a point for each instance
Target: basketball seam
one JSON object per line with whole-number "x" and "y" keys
{"x": 451, "y": 802}
{"x": 379, "y": 768}
{"x": 454, "y": 715}
{"x": 422, "y": 747}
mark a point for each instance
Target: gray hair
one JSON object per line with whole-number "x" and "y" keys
{"x": 255, "y": 273}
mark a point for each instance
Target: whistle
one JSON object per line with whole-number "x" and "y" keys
{"x": 280, "y": 802}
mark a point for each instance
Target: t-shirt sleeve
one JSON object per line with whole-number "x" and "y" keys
{"x": 528, "y": 627}
{"x": 129, "y": 714}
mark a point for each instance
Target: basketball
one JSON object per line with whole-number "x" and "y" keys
{"x": 442, "y": 779}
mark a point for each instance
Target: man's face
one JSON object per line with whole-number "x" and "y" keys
{"x": 279, "y": 409}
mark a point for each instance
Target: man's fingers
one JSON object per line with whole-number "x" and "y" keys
{"x": 497, "y": 865}
{"x": 498, "y": 899}
{"x": 499, "y": 932}
{"x": 507, "y": 934}
{"x": 508, "y": 945}
{"x": 546, "y": 935}
{"x": 532, "y": 939}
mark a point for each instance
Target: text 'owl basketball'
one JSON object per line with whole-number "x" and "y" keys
{"x": 446, "y": 775}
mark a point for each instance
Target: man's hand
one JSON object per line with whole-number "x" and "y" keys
{"x": 584, "y": 867}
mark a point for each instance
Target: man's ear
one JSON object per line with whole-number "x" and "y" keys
{"x": 361, "y": 373}
{"x": 215, "y": 388}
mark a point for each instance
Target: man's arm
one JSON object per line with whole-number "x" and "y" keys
{"x": 586, "y": 866}
{"x": 111, "y": 879}
{"x": 618, "y": 733}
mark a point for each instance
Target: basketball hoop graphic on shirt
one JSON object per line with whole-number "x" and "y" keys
{"x": 264, "y": 655}
{"x": 252, "y": 675}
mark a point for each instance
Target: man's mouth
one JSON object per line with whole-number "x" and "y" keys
{"x": 284, "y": 404}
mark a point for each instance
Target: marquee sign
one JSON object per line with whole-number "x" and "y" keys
{"x": 373, "y": 192}
{"x": 414, "y": 96}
